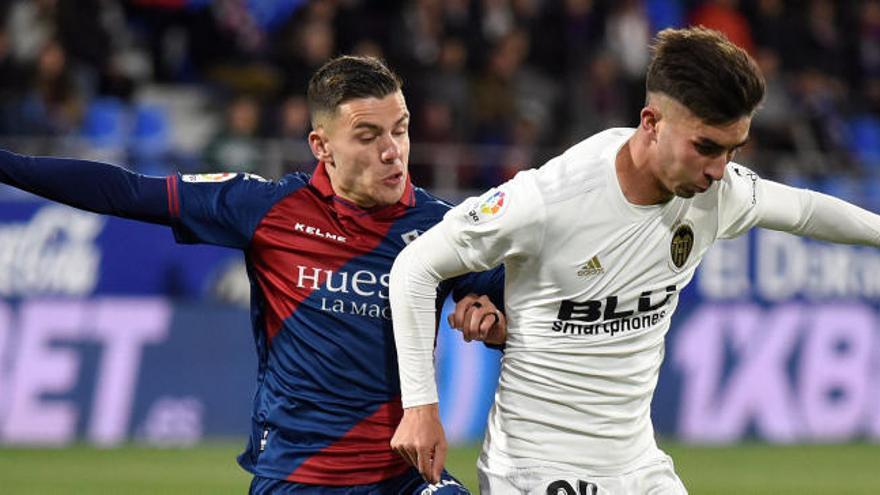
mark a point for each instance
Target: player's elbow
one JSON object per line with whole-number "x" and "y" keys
{"x": 410, "y": 275}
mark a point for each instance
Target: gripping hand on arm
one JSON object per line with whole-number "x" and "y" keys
{"x": 477, "y": 318}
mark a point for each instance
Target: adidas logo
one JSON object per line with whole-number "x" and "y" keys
{"x": 593, "y": 267}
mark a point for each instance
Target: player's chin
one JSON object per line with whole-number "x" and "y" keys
{"x": 685, "y": 193}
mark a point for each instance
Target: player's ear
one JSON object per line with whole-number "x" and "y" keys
{"x": 320, "y": 147}
{"x": 648, "y": 120}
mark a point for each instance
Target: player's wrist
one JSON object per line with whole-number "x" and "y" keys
{"x": 421, "y": 411}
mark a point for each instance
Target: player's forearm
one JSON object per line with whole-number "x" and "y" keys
{"x": 817, "y": 215}
{"x": 91, "y": 186}
{"x": 415, "y": 275}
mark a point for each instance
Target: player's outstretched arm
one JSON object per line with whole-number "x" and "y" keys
{"x": 417, "y": 271}
{"x": 816, "y": 215}
{"x": 477, "y": 318}
{"x": 92, "y": 186}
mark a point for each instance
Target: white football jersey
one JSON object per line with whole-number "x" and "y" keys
{"x": 591, "y": 284}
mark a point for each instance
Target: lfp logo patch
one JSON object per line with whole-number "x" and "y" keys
{"x": 491, "y": 205}
{"x": 222, "y": 177}
{"x": 494, "y": 204}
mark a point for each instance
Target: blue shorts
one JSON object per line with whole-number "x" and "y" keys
{"x": 408, "y": 483}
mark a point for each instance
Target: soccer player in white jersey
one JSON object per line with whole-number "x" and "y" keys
{"x": 597, "y": 245}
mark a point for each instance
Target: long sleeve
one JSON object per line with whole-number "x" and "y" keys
{"x": 502, "y": 225}
{"x": 417, "y": 271}
{"x": 92, "y": 186}
{"x": 816, "y": 215}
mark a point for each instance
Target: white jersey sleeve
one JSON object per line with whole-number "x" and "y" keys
{"x": 746, "y": 200}
{"x": 477, "y": 235}
{"x": 817, "y": 215}
{"x": 740, "y": 198}
{"x": 503, "y": 223}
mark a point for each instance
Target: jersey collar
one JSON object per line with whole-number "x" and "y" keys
{"x": 321, "y": 181}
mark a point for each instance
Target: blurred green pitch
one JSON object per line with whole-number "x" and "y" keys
{"x": 211, "y": 469}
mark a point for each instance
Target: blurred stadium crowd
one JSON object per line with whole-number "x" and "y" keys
{"x": 494, "y": 85}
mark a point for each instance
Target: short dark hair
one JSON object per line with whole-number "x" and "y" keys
{"x": 700, "y": 68}
{"x": 348, "y": 77}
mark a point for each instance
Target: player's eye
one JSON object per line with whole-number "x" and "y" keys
{"x": 710, "y": 150}
{"x": 366, "y": 138}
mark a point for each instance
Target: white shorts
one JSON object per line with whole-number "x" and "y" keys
{"x": 655, "y": 478}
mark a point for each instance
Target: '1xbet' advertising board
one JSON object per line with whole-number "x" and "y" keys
{"x": 109, "y": 332}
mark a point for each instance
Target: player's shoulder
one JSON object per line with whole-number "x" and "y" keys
{"x": 426, "y": 211}
{"x": 429, "y": 205}
{"x": 278, "y": 188}
{"x": 248, "y": 191}
{"x": 600, "y": 144}
{"x": 290, "y": 181}
{"x": 738, "y": 185}
{"x": 582, "y": 168}
{"x": 738, "y": 177}
{"x": 425, "y": 199}
{"x": 737, "y": 172}
{"x": 293, "y": 180}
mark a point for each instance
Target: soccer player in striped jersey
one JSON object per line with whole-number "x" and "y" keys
{"x": 319, "y": 249}
{"x": 597, "y": 245}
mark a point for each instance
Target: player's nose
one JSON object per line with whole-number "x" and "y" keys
{"x": 390, "y": 150}
{"x": 715, "y": 170}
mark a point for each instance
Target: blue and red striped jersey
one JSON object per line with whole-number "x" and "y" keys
{"x": 328, "y": 395}
{"x": 327, "y": 399}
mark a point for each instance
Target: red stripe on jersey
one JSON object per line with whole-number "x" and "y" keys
{"x": 176, "y": 197}
{"x": 173, "y": 196}
{"x": 175, "y": 185}
{"x": 300, "y": 242}
{"x": 362, "y": 456}
{"x": 169, "y": 181}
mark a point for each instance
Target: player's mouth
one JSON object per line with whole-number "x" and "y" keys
{"x": 393, "y": 179}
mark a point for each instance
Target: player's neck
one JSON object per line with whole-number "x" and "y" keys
{"x": 635, "y": 175}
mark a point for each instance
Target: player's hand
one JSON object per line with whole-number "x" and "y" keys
{"x": 478, "y": 319}
{"x": 420, "y": 440}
